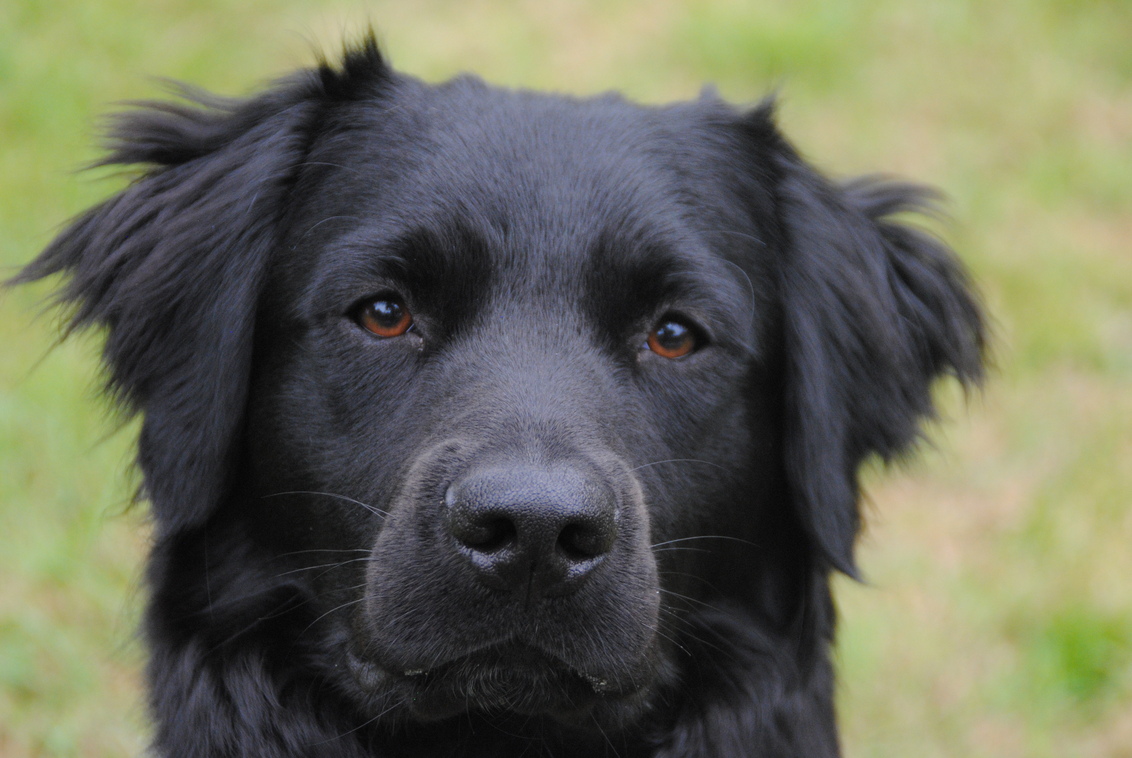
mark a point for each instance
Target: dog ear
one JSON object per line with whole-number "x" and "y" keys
{"x": 874, "y": 310}
{"x": 173, "y": 265}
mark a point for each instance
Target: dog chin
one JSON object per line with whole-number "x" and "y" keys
{"x": 505, "y": 680}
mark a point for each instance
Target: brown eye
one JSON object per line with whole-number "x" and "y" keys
{"x": 385, "y": 317}
{"x": 672, "y": 339}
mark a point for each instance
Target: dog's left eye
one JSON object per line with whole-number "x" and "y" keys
{"x": 672, "y": 338}
{"x": 386, "y": 316}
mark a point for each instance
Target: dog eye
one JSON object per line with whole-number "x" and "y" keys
{"x": 672, "y": 338}
{"x": 385, "y": 316}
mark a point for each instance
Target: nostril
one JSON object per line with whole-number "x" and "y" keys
{"x": 487, "y": 535}
{"x": 484, "y": 530}
{"x": 581, "y": 541}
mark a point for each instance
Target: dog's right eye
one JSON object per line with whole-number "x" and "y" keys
{"x": 386, "y": 316}
{"x": 672, "y": 338}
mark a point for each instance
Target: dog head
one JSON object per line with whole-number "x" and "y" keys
{"x": 510, "y": 389}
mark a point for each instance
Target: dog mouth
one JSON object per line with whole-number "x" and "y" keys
{"x": 511, "y": 678}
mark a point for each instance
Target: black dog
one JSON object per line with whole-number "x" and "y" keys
{"x": 489, "y": 423}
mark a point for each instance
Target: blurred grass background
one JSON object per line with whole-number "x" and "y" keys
{"x": 998, "y": 616}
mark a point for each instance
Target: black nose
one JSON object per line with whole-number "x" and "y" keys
{"x": 541, "y": 530}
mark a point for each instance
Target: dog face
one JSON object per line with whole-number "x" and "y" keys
{"x": 470, "y": 403}
{"x": 527, "y": 352}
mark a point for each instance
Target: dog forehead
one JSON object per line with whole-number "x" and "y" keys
{"x": 542, "y": 192}
{"x": 557, "y": 164}
{"x": 552, "y": 172}
{"x": 576, "y": 154}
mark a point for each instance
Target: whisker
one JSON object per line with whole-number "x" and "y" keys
{"x": 694, "y": 577}
{"x": 706, "y": 537}
{"x": 321, "y": 550}
{"x": 328, "y": 566}
{"x": 707, "y": 605}
{"x": 281, "y": 609}
{"x": 678, "y": 460}
{"x": 362, "y": 725}
{"x": 347, "y": 604}
{"x": 751, "y": 237}
{"x": 750, "y": 284}
{"x": 616, "y": 753}
{"x": 689, "y": 629}
{"x": 367, "y": 506}
{"x": 675, "y": 642}
{"x": 323, "y": 221}
{"x": 682, "y": 549}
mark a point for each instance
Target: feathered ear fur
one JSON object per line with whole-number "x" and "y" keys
{"x": 173, "y": 265}
{"x": 874, "y": 311}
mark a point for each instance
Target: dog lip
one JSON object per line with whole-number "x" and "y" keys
{"x": 517, "y": 660}
{"x": 371, "y": 675}
{"x": 509, "y": 653}
{"x": 511, "y": 660}
{"x": 504, "y": 677}
{"x": 367, "y": 674}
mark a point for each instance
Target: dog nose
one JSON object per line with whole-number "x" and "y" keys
{"x": 543, "y": 530}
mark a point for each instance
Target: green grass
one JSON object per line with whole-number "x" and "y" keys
{"x": 998, "y": 617}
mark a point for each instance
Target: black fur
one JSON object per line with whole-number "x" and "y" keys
{"x": 324, "y": 580}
